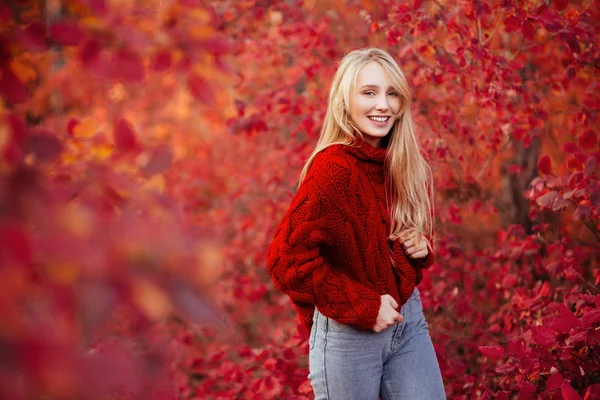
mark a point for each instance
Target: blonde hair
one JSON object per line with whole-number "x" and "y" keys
{"x": 410, "y": 178}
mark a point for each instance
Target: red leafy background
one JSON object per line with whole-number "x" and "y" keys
{"x": 148, "y": 148}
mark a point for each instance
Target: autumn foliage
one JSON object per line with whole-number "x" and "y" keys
{"x": 148, "y": 148}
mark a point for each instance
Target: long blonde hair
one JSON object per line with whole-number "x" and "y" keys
{"x": 410, "y": 178}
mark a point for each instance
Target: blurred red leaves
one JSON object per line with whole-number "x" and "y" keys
{"x": 43, "y": 144}
{"x": 560, "y": 4}
{"x": 160, "y": 161}
{"x": 492, "y": 351}
{"x": 11, "y": 88}
{"x": 588, "y": 140}
{"x": 118, "y": 241}
{"x": 200, "y": 89}
{"x": 66, "y": 33}
{"x": 544, "y": 165}
{"x": 124, "y": 136}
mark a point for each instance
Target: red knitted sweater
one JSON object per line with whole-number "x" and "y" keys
{"x": 332, "y": 251}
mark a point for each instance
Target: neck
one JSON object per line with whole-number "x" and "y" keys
{"x": 373, "y": 141}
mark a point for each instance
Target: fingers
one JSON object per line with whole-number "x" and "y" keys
{"x": 404, "y": 235}
{"x": 393, "y": 319}
{"x": 388, "y": 315}
{"x": 417, "y": 251}
{"x": 420, "y": 254}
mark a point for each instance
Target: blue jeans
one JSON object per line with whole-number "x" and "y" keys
{"x": 398, "y": 363}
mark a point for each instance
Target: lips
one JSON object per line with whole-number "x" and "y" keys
{"x": 379, "y": 119}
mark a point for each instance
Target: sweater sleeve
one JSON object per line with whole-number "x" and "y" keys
{"x": 317, "y": 217}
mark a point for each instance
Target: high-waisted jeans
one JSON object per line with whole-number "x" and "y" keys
{"x": 398, "y": 363}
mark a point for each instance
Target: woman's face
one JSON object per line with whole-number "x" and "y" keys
{"x": 374, "y": 104}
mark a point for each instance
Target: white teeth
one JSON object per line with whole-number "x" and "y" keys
{"x": 379, "y": 119}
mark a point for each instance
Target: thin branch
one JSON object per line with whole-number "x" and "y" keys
{"x": 484, "y": 42}
{"x": 488, "y": 162}
{"x": 592, "y": 228}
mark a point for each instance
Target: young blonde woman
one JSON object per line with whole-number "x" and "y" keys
{"x": 352, "y": 246}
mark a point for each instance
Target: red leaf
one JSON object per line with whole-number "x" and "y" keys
{"x": 570, "y": 147}
{"x": 547, "y": 199}
{"x": 33, "y": 38}
{"x": 592, "y": 392}
{"x": 591, "y": 317}
{"x": 129, "y": 67}
{"x": 305, "y": 388}
{"x": 560, "y": 4}
{"x": 554, "y": 381}
{"x": 12, "y": 153}
{"x": 590, "y": 166}
{"x": 502, "y": 395}
{"x": 529, "y": 30}
{"x": 552, "y": 26}
{"x": 124, "y": 135}
{"x": 481, "y": 8}
{"x": 559, "y": 203}
{"x": 569, "y": 393}
{"x": 11, "y": 87}
{"x": 111, "y": 368}
{"x": 506, "y": 368}
{"x": 573, "y": 44}
{"x": 160, "y": 161}
{"x": 526, "y": 388}
{"x": 517, "y": 348}
{"x": 512, "y": 23}
{"x": 97, "y": 6}
{"x": 417, "y": 4}
{"x": 494, "y": 352}
{"x": 544, "y": 165}
{"x": 89, "y": 51}
{"x": 200, "y": 89}
{"x": 566, "y": 320}
{"x": 71, "y": 126}
{"x": 19, "y": 131}
{"x": 289, "y": 354}
{"x": 270, "y": 364}
{"x": 15, "y": 244}
{"x": 215, "y": 45}
{"x": 44, "y": 144}
{"x": 543, "y": 336}
{"x": 595, "y": 198}
{"x": 66, "y": 33}
{"x": 588, "y": 139}
{"x": 582, "y": 212}
{"x": 162, "y": 61}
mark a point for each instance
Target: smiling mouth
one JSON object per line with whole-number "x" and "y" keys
{"x": 379, "y": 119}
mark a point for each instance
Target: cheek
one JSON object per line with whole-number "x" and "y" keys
{"x": 357, "y": 109}
{"x": 364, "y": 105}
{"x": 395, "y": 105}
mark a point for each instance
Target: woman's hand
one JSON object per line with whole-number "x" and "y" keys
{"x": 388, "y": 315}
{"x": 415, "y": 245}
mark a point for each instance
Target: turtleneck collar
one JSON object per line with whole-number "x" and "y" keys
{"x": 367, "y": 152}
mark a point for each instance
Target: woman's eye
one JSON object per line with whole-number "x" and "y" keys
{"x": 370, "y": 93}
{"x": 392, "y": 94}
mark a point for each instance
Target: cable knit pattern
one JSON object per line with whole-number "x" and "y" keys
{"x": 332, "y": 251}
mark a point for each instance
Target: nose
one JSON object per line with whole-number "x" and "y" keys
{"x": 382, "y": 103}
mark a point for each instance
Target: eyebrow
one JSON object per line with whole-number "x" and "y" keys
{"x": 375, "y": 87}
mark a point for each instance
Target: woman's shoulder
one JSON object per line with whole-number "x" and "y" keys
{"x": 334, "y": 154}
{"x": 332, "y": 168}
